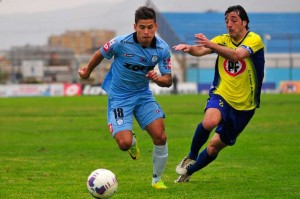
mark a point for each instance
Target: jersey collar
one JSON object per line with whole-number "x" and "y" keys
{"x": 153, "y": 42}
{"x": 238, "y": 44}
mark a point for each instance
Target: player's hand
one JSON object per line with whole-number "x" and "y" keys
{"x": 182, "y": 47}
{"x": 152, "y": 75}
{"x": 201, "y": 40}
{"x": 84, "y": 73}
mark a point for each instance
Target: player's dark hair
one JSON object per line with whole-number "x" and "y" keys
{"x": 145, "y": 12}
{"x": 241, "y": 12}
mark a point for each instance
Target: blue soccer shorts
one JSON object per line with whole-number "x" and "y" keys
{"x": 122, "y": 111}
{"x": 233, "y": 121}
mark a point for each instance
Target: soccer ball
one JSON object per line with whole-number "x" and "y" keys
{"x": 102, "y": 183}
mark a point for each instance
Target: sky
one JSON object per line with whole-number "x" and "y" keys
{"x": 31, "y": 6}
{"x": 33, "y": 21}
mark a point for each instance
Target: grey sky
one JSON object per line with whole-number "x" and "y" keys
{"x": 33, "y": 21}
{"x": 32, "y": 6}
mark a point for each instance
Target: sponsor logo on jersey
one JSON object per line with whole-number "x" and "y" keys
{"x": 138, "y": 67}
{"x": 169, "y": 63}
{"x": 126, "y": 42}
{"x": 128, "y": 55}
{"x": 234, "y": 68}
{"x": 251, "y": 83}
{"x": 107, "y": 46}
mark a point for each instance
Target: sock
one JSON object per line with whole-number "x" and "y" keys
{"x": 202, "y": 161}
{"x": 159, "y": 159}
{"x": 200, "y": 137}
{"x": 133, "y": 141}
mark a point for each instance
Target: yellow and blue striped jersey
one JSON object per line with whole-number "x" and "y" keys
{"x": 240, "y": 83}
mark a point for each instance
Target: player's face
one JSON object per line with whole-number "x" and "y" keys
{"x": 145, "y": 29}
{"x": 235, "y": 26}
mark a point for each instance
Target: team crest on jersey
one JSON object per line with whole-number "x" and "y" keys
{"x": 154, "y": 58}
{"x": 234, "y": 68}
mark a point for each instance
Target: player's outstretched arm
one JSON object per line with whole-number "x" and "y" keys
{"x": 194, "y": 50}
{"x": 95, "y": 60}
{"x": 183, "y": 47}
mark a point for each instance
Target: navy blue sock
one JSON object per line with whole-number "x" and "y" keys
{"x": 202, "y": 161}
{"x": 200, "y": 137}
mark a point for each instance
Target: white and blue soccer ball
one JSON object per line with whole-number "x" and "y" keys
{"x": 102, "y": 183}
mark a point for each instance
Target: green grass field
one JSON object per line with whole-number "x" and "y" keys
{"x": 49, "y": 146}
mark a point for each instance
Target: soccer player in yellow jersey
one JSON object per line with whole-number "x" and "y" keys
{"x": 235, "y": 95}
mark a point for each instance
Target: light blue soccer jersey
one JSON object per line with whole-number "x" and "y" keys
{"x": 127, "y": 74}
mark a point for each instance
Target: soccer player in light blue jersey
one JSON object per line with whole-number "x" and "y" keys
{"x": 127, "y": 85}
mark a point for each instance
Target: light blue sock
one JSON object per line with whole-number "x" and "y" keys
{"x": 133, "y": 141}
{"x": 159, "y": 159}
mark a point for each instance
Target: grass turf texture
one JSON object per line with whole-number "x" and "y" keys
{"x": 49, "y": 146}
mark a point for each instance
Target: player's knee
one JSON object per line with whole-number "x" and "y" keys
{"x": 209, "y": 124}
{"x": 215, "y": 146}
{"x": 211, "y": 119}
{"x": 212, "y": 150}
{"x": 160, "y": 140}
{"x": 123, "y": 145}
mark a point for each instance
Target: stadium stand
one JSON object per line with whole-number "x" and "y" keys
{"x": 279, "y": 31}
